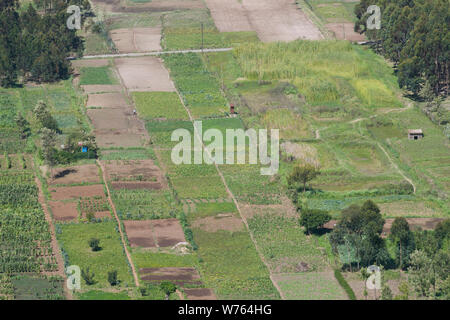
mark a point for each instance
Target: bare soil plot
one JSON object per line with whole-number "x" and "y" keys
{"x": 119, "y": 139}
{"x": 229, "y": 15}
{"x": 99, "y": 88}
{"x": 109, "y": 119}
{"x": 66, "y": 193}
{"x": 144, "y": 74}
{"x": 135, "y": 173}
{"x": 414, "y": 224}
{"x": 273, "y": 20}
{"x": 212, "y": 224}
{"x": 168, "y": 232}
{"x": 64, "y": 211}
{"x": 179, "y": 276}
{"x": 137, "y": 39}
{"x": 76, "y": 174}
{"x": 107, "y": 100}
{"x": 345, "y": 31}
{"x": 154, "y": 5}
{"x": 139, "y": 234}
{"x": 154, "y": 233}
{"x": 200, "y": 294}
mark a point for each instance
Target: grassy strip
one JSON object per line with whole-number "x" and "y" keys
{"x": 340, "y": 278}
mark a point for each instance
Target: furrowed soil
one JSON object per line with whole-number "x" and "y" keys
{"x": 130, "y": 40}
{"x": 144, "y": 74}
{"x": 273, "y": 20}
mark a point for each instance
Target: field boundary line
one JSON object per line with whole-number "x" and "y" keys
{"x": 122, "y": 236}
{"x": 152, "y": 53}
{"x": 55, "y": 246}
{"x": 230, "y": 193}
{"x": 396, "y": 167}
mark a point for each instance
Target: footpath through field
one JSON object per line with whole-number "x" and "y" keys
{"x": 230, "y": 193}
{"x": 153, "y": 53}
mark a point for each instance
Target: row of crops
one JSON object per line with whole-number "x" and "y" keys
{"x": 25, "y": 240}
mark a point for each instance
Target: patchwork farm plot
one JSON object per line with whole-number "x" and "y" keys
{"x": 137, "y": 39}
{"x": 154, "y": 233}
{"x": 217, "y": 232}
{"x": 144, "y": 74}
{"x": 272, "y": 21}
{"x": 337, "y": 17}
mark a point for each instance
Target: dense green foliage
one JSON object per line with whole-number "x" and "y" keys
{"x": 313, "y": 220}
{"x": 344, "y": 285}
{"x": 35, "y": 46}
{"x": 414, "y": 35}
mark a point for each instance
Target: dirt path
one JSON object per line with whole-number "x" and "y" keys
{"x": 55, "y": 248}
{"x": 122, "y": 236}
{"x": 396, "y": 167}
{"x": 154, "y": 53}
{"x": 408, "y": 107}
{"x": 230, "y": 193}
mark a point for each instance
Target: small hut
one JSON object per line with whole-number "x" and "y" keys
{"x": 415, "y": 134}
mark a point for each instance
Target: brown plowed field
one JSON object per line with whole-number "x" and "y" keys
{"x": 137, "y": 39}
{"x": 144, "y": 74}
{"x": 200, "y": 294}
{"x": 107, "y": 100}
{"x": 134, "y": 174}
{"x": 119, "y": 139}
{"x": 66, "y": 193}
{"x": 179, "y": 276}
{"x": 154, "y": 233}
{"x": 273, "y": 20}
{"x": 64, "y": 211}
{"x": 229, "y": 15}
{"x": 87, "y": 173}
{"x": 108, "y": 119}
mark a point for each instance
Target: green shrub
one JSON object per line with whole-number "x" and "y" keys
{"x": 340, "y": 278}
{"x": 112, "y": 278}
{"x": 94, "y": 243}
{"x": 88, "y": 276}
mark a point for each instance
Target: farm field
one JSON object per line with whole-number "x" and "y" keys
{"x": 88, "y": 176}
{"x": 74, "y": 238}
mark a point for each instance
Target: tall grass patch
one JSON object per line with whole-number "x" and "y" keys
{"x": 322, "y": 70}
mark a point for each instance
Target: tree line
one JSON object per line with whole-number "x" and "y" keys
{"x": 414, "y": 35}
{"x": 35, "y": 43}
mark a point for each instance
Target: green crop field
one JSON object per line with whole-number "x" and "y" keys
{"x": 74, "y": 241}
{"x": 157, "y": 105}
{"x": 97, "y": 75}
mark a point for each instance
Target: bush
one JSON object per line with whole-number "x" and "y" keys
{"x": 168, "y": 288}
{"x": 94, "y": 243}
{"x": 343, "y": 283}
{"x": 87, "y": 276}
{"x": 313, "y": 220}
{"x": 112, "y": 278}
